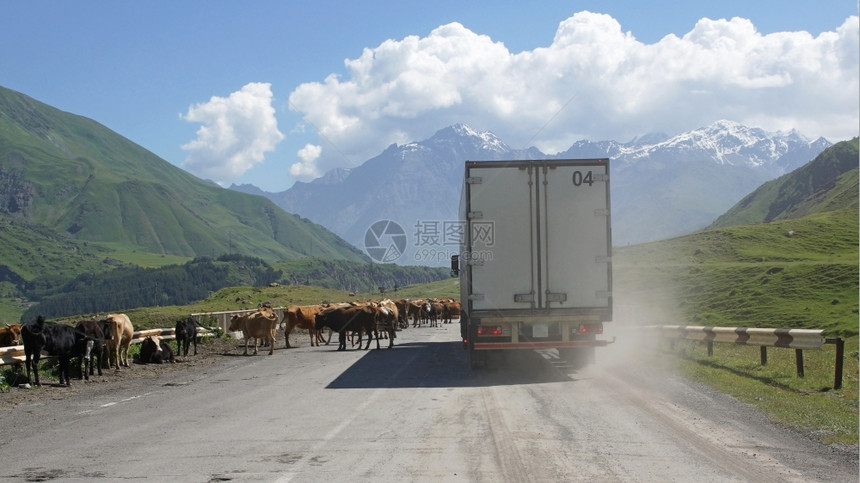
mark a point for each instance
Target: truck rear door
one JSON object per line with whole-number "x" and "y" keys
{"x": 539, "y": 235}
{"x": 575, "y": 235}
{"x": 500, "y": 220}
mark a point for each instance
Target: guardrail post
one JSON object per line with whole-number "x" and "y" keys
{"x": 840, "y": 356}
{"x": 799, "y": 357}
{"x": 763, "y": 351}
{"x": 710, "y": 348}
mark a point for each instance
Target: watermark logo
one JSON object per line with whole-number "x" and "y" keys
{"x": 433, "y": 241}
{"x": 484, "y": 232}
{"x": 385, "y": 241}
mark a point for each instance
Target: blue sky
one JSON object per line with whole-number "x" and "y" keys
{"x": 270, "y": 92}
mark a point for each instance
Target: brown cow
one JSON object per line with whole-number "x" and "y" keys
{"x": 303, "y": 317}
{"x": 451, "y": 310}
{"x": 119, "y": 335}
{"x": 414, "y": 310}
{"x": 386, "y": 321}
{"x": 93, "y": 344}
{"x": 10, "y": 335}
{"x": 402, "y": 313}
{"x": 256, "y": 325}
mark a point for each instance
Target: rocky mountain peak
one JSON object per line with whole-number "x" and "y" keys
{"x": 662, "y": 185}
{"x": 462, "y": 135}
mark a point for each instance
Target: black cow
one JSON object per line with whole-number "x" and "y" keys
{"x": 154, "y": 350}
{"x": 186, "y": 333}
{"x": 55, "y": 339}
{"x": 360, "y": 319}
{"x": 89, "y": 332}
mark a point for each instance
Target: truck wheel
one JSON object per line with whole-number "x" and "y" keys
{"x": 577, "y": 357}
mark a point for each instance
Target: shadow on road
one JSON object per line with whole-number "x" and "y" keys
{"x": 443, "y": 364}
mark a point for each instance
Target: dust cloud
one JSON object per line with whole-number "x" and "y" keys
{"x": 634, "y": 344}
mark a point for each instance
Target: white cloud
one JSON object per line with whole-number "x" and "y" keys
{"x": 594, "y": 81}
{"x": 307, "y": 168}
{"x": 236, "y": 134}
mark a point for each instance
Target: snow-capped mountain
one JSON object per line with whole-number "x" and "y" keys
{"x": 661, "y": 186}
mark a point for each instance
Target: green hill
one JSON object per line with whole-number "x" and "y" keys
{"x": 749, "y": 276}
{"x": 132, "y": 286}
{"x": 786, "y": 256}
{"x": 829, "y": 182}
{"x": 81, "y": 180}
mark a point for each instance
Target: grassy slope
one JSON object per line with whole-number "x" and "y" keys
{"x": 757, "y": 276}
{"x": 754, "y": 276}
{"x": 74, "y": 175}
{"x": 827, "y": 183}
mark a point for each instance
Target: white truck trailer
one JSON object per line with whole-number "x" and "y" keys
{"x": 535, "y": 262}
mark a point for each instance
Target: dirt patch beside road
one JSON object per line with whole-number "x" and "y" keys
{"x": 210, "y": 351}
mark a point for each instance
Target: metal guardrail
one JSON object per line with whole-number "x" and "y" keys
{"x": 223, "y": 318}
{"x": 797, "y": 339}
{"x": 15, "y": 354}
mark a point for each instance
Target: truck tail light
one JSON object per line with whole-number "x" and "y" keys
{"x": 490, "y": 330}
{"x": 590, "y": 329}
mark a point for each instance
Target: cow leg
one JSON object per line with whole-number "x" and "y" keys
{"x": 271, "y": 344}
{"x": 341, "y": 340}
{"x": 123, "y": 352}
{"x": 287, "y": 331}
{"x": 36, "y": 357}
{"x": 99, "y": 363}
{"x": 65, "y": 362}
{"x": 32, "y": 359}
{"x": 88, "y": 361}
{"x": 116, "y": 356}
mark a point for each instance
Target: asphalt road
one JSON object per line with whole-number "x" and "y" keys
{"x": 413, "y": 413}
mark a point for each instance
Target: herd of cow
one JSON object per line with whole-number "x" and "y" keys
{"x": 378, "y": 319}
{"x": 106, "y": 341}
{"x": 95, "y": 343}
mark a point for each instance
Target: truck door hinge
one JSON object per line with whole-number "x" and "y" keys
{"x": 556, "y": 297}
{"x": 603, "y": 259}
{"x": 524, "y": 298}
{"x": 476, "y": 263}
{"x": 476, "y": 297}
{"x": 601, "y": 212}
{"x": 601, "y": 177}
{"x": 474, "y": 180}
{"x": 475, "y": 215}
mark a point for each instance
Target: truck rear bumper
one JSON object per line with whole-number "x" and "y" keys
{"x": 540, "y": 345}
